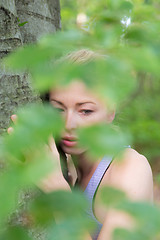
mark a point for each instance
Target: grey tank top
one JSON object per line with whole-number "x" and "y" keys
{"x": 91, "y": 189}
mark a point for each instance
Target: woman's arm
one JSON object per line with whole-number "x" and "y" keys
{"x": 132, "y": 175}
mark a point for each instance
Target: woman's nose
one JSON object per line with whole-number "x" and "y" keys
{"x": 70, "y": 121}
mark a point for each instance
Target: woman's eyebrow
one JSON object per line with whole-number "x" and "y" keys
{"x": 53, "y": 100}
{"x": 79, "y": 104}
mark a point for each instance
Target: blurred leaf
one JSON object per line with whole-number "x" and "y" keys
{"x": 143, "y": 59}
{"x": 106, "y": 76}
{"x": 123, "y": 234}
{"x": 32, "y": 56}
{"x": 71, "y": 229}
{"x": 146, "y": 215}
{"x": 39, "y": 164}
{"x": 103, "y": 139}
{"x": 59, "y": 205}
{"x": 149, "y": 13}
{"x": 111, "y": 196}
{"x": 158, "y": 178}
{"x": 19, "y": 175}
{"x": 67, "y": 41}
{"x": 8, "y": 193}
{"x": 34, "y": 126}
{"x": 14, "y": 233}
{"x": 42, "y": 77}
{"x": 28, "y": 57}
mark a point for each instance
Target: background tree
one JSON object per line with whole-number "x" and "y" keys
{"x": 21, "y": 22}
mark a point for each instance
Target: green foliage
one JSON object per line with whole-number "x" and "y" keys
{"x": 35, "y": 124}
{"x": 61, "y": 205}
{"x": 13, "y": 232}
{"x": 67, "y": 208}
{"x": 70, "y": 229}
{"x": 111, "y": 196}
{"x": 147, "y": 217}
{"x": 127, "y": 77}
{"x": 21, "y": 24}
{"x": 103, "y": 139}
{"x": 121, "y": 234}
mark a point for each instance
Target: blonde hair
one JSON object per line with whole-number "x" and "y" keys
{"x": 82, "y": 56}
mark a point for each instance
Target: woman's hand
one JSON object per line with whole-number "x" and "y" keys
{"x": 14, "y": 119}
{"x": 55, "y": 180}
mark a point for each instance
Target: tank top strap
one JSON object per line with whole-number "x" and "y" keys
{"x": 97, "y": 177}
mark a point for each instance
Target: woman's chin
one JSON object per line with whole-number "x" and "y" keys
{"x": 72, "y": 150}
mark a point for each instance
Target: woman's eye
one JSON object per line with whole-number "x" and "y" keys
{"x": 60, "y": 110}
{"x": 86, "y": 111}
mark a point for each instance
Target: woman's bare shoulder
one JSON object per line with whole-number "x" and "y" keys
{"x": 131, "y": 172}
{"x": 130, "y": 157}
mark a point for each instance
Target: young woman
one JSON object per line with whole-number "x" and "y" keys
{"x": 81, "y": 107}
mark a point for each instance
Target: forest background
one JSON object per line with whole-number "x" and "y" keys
{"x": 127, "y": 32}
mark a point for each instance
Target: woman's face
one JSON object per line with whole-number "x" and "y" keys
{"x": 79, "y": 107}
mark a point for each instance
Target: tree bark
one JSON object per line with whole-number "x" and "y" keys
{"x": 42, "y": 16}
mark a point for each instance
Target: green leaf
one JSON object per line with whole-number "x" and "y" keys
{"x": 38, "y": 165}
{"x": 8, "y": 193}
{"x": 71, "y": 229}
{"x": 34, "y": 126}
{"x": 14, "y": 233}
{"x": 146, "y": 215}
{"x": 104, "y": 139}
{"x": 111, "y": 196}
{"x": 59, "y": 205}
{"x": 22, "y": 24}
{"x": 123, "y": 234}
{"x": 28, "y": 57}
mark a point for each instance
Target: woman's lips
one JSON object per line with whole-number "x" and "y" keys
{"x": 69, "y": 142}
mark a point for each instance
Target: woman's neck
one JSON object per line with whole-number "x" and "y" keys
{"x": 85, "y": 167}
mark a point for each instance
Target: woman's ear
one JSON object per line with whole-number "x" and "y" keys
{"x": 111, "y": 116}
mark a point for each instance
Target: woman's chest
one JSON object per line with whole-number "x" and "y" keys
{"x": 100, "y": 208}
{"x": 98, "y": 205}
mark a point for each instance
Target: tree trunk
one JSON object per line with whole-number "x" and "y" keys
{"x": 42, "y": 16}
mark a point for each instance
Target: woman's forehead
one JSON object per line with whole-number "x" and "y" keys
{"x": 76, "y": 92}
{"x": 74, "y": 89}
